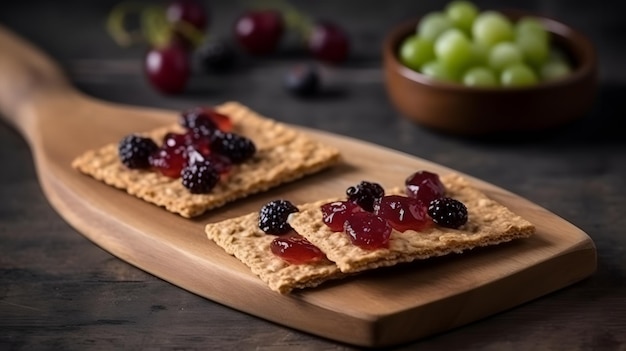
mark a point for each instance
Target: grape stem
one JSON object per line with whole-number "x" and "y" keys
{"x": 116, "y": 23}
{"x": 294, "y": 19}
{"x": 154, "y": 27}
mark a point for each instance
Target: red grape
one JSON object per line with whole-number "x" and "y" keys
{"x": 328, "y": 42}
{"x": 189, "y": 11}
{"x": 259, "y": 32}
{"x": 168, "y": 68}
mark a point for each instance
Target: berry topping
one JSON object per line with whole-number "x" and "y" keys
{"x": 198, "y": 120}
{"x": 365, "y": 194}
{"x": 204, "y": 121}
{"x": 368, "y": 231}
{"x": 221, "y": 164}
{"x": 236, "y": 147}
{"x": 403, "y": 213}
{"x": 336, "y": 213}
{"x": 200, "y": 177}
{"x": 134, "y": 151}
{"x": 296, "y": 249}
{"x": 169, "y": 161}
{"x": 303, "y": 80}
{"x": 448, "y": 212}
{"x": 273, "y": 217}
{"x": 424, "y": 186}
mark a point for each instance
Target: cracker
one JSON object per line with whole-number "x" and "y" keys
{"x": 283, "y": 155}
{"x": 489, "y": 223}
{"x": 242, "y": 238}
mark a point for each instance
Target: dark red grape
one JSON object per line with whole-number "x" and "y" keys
{"x": 189, "y": 11}
{"x": 328, "y": 42}
{"x": 168, "y": 68}
{"x": 259, "y": 32}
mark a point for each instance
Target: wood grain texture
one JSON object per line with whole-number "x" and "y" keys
{"x": 59, "y": 123}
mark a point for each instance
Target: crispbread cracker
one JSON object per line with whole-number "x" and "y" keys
{"x": 489, "y": 223}
{"x": 242, "y": 238}
{"x": 283, "y": 155}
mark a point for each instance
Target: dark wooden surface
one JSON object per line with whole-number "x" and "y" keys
{"x": 60, "y": 291}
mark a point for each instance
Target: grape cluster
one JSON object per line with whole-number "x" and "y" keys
{"x": 259, "y": 32}
{"x": 176, "y": 34}
{"x": 482, "y": 48}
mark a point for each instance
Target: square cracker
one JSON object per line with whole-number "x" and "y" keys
{"x": 489, "y": 223}
{"x": 283, "y": 155}
{"x": 242, "y": 238}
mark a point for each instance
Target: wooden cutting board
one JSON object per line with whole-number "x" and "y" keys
{"x": 380, "y": 308}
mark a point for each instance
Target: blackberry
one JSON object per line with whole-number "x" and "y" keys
{"x": 134, "y": 151}
{"x": 365, "y": 194}
{"x": 273, "y": 217}
{"x": 200, "y": 177}
{"x": 303, "y": 80}
{"x": 216, "y": 56}
{"x": 236, "y": 147}
{"x": 198, "y": 121}
{"x": 448, "y": 212}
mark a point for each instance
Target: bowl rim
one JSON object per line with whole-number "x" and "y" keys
{"x": 586, "y": 63}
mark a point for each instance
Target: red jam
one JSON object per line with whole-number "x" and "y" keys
{"x": 368, "y": 231}
{"x": 296, "y": 249}
{"x": 171, "y": 158}
{"x": 336, "y": 213}
{"x": 424, "y": 186}
{"x": 403, "y": 213}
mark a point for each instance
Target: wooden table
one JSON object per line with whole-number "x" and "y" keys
{"x": 60, "y": 291}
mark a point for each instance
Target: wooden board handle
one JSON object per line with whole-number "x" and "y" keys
{"x": 29, "y": 80}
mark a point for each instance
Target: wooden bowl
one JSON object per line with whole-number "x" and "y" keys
{"x": 456, "y": 109}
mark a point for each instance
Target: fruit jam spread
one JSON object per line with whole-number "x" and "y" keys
{"x": 201, "y": 156}
{"x": 367, "y": 216}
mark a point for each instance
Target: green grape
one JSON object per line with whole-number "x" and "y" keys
{"x": 480, "y": 77}
{"x": 491, "y": 27}
{"x": 462, "y": 14}
{"x": 557, "y": 54}
{"x": 480, "y": 54}
{"x": 504, "y": 54}
{"x": 518, "y": 75}
{"x": 534, "y": 49}
{"x": 435, "y": 70}
{"x": 415, "y": 51}
{"x": 532, "y": 27}
{"x": 433, "y": 24}
{"x": 554, "y": 69}
{"x": 453, "y": 49}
